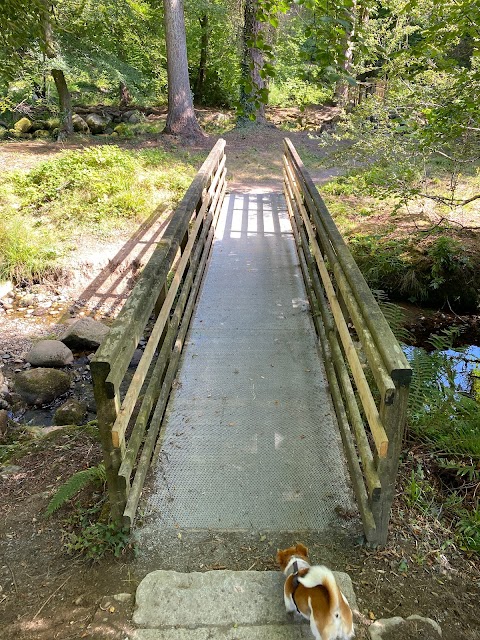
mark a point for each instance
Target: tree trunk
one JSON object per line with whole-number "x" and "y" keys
{"x": 125, "y": 97}
{"x": 202, "y": 67}
{"x": 343, "y": 88}
{"x": 181, "y": 118}
{"x": 65, "y": 102}
{"x": 252, "y": 64}
{"x": 64, "y": 98}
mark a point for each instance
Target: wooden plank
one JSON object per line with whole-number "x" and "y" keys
{"x": 371, "y": 411}
{"x": 386, "y": 342}
{"x": 108, "y": 405}
{"x": 371, "y": 476}
{"x": 117, "y": 373}
{"x": 348, "y": 443}
{"x": 385, "y": 384}
{"x": 151, "y": 396}
{"x": 394, "y": 418}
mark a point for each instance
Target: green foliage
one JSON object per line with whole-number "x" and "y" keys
{"x": 98, "y": 185}
{"x": 101, "y": 189}
{"x": 88, "y": 536}
{"x": 417, "y": 269}
{"x": 299, "y": 92}
{"x": 419, "y": 493}
{"x": 74, "y": 485}
{"x": 222, "y": 63}
{"x": 468, "y": 529}
{"x": 448, "y": 424}
{"x": 27, "y": 253}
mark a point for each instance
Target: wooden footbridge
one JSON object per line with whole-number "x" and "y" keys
{"x": 247, "y": 431}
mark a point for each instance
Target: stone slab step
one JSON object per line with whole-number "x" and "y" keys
{"x": 219, "y": 605}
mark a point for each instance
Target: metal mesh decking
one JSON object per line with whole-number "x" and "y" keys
{"x": 250, "y": 440}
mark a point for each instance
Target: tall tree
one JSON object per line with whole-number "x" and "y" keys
{"x": 253, "y": 89}
{"x": 181, "y": 119}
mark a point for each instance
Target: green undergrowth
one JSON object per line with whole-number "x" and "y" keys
{"x": 444, "y": 433}
{"x": 87, "y": 530}
{"x": 96, "y": 190}
{"x": 88, "y": 534}
{"x": 433, "y": 270}
{"x": 78, "y": 501}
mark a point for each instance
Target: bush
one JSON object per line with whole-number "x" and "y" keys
{"x": 417, "y": 269}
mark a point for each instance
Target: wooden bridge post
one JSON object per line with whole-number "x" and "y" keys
{"x": 107, "y": 401}
{"x": 393, "y": 417}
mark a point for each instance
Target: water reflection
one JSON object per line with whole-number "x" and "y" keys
{"x": 464, "y": 365}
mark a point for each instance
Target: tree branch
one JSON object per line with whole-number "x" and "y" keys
{"x": 450, "y": 201}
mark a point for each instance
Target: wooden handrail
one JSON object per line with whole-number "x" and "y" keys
{"x": 340, "y": 297}
{"x": 183, "y": 249}
{"x": 392, "y": 354}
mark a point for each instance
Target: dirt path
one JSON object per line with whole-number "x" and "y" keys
{"x": 46, "y": 594}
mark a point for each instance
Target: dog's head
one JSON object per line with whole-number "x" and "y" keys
{"x": 299, "y": 551}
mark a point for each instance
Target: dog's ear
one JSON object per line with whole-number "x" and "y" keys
{"x": 302, "y": 549}
{"x": 281, "y": 558}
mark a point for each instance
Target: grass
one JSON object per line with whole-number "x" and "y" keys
{"x": 27, "y": 253}
{"x": 98, "y": 190}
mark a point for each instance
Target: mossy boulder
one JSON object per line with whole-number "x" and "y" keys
{"x": 24, "y": 125}
{"x": 41, "y": 386}
{"x": 79, "y": 124}
{"x": 13, "y": 133}
{"x": 41, "y": 134}
{"x": 122, "y": 129}
{"x": 37, "y": 125}
{"x": 52, "y": 124}
{"x": 133, "y": 117}
{"x": 70, "y": 412}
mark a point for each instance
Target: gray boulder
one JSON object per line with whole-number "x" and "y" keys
{"x": 79, "y": 124}
{"x": 70, "y": 412}
{"x": 49, "y": 353}
{"x": 41, "y": 386}
{"x": 85, "y": 334}
{"x": 133, "y": 117}
{"x": 96, "y": 123}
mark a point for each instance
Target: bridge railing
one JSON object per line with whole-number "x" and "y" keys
{"x": 367, "y": 371}
{"x": 158, "y": 310}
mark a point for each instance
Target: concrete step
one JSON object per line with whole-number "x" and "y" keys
{"x": 219, "y": 605}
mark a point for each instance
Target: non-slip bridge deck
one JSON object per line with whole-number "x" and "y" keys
{"x": 250, "y": 440}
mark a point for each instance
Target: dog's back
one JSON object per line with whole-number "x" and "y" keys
{"x": 330, "y": 609}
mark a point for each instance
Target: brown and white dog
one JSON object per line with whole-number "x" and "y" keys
{"x": 314, "y": 593}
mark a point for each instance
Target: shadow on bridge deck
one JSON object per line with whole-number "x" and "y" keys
{"x": 250, "y": 440}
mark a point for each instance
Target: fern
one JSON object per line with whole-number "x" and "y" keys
{"x": 73, "y": 485}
